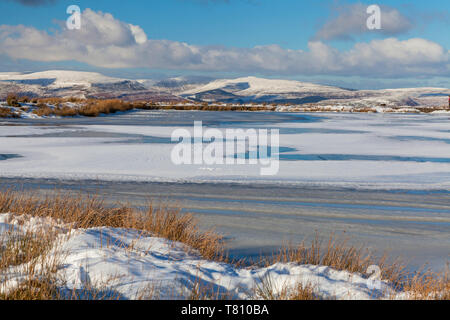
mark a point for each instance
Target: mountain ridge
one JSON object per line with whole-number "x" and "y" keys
{"x": 64, "y": 83}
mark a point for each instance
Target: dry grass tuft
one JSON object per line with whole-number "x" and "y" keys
{"x": 266, "y": 289}
{"x": 26, "y": 252}
{"x": 339, "y": 255}
{"x": 12, "y": 100}
{"x": 17, "y": 248}
{"x": 428, "y": 286}
{"x": 43, "y": 288}
{"x": 90, "y": 211}
{"x": 8, "y": 113}
{"x": 302, "y": 292}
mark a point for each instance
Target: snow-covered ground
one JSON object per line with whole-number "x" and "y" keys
{"x": 372, "y": 151}
{"x": 25, "y": 111}
{"x": 130, "y": 265}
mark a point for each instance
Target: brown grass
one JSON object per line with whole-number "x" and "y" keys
{"x": 24, "y": 99}
{"x": 33, "y": 289}
{"x": 303, "y": 292}
{"x": 88, "y": 108}
{"x": 266, "y": 290}
{"x": 95, "y": 107}
{"x": 339, "y": 255}
{"x": 428, "y": 286}
{"x": 43, "y": 110}
{"x": 12, "y": 100}
{"x": 18, "y": 249}
{"x": 90, "y": 212}
{"x": 211, "y": 108}
{"x": 28, "y": 249}
{"x": 8, "y": 113}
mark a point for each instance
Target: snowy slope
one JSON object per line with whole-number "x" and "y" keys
{"x": 296, "y": 92}
{"x": 131, "y": 265}
{"x": 258, "y": 86}
{"x": 59, "y": 78}
{"x": 61, "y": 83}
{"x": 252, "y": 89}
{"x": 178, "y": 85}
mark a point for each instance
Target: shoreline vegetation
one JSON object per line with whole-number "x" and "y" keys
{"x": 71, "y": 107}
{"x": 31, "y": 249}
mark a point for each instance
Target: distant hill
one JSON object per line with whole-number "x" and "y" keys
{"x": 62, "y": 83}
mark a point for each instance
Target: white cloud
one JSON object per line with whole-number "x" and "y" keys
{"x": 351, "y": 20}
{"x": 139, "y": 35}
{"x": 107, "y": 42}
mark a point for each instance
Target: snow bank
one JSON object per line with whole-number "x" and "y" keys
{"x": 131, "y": 265}
{"x": 441, "y": 112}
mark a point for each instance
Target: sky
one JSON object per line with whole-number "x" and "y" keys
{"x": 322, "y": 41}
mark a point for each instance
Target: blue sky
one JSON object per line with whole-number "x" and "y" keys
{"x": 236, "y": 27}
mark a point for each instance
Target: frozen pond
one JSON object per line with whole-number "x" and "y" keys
{"x": 372, "y": 151}
{"x": 384, "y": 180}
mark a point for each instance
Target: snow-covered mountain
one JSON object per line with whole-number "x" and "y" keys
{"x": 61, "y": 83}
{"x": 259, "y": 86}
{"x": 58, "y": 78}
{"x": 251, "y": 89}
{"x": 178, "y": 85}
{"x": 241, "y": 90}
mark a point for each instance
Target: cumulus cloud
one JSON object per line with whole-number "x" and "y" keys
{"x": 351, "y": 20}
{"x": 104, "y": 41}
